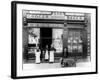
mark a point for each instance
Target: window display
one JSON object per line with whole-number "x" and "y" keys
{"x": 75, "y": 42}
{"x": 33, "y": 39}
{"x": 57, "y": 39}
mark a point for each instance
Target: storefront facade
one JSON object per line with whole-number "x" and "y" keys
{"x": 62, "y": 29}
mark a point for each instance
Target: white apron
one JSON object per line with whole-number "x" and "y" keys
{"x": 51, "y": 59}
{"x": 37, "y": 55}
{"x": 46, "y": 55}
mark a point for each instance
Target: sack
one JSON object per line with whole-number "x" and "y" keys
{"x": 65, "y": 62}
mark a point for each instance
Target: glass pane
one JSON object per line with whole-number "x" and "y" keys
{"x": 75, "y": 41}
{"x": 33, "y": 39}
{"x": 57, "y": 39}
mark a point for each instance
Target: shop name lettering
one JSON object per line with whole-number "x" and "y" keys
{"x": 44, "y": 25}
{"x": 65, "y": 17}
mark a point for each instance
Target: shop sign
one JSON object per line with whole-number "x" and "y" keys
{"x": 44, "y": 25}
{"x": 41, "y": 16}
{"x": 39, "y": 12}
{"x": 67, "y": 17}
{"x": 75, "y": 18}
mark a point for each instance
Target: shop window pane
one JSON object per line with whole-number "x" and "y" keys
{"x": 57, "y": 39}
{"x": 33, "y": 39}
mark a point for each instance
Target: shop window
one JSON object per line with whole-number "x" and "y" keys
{"x": 75, "y": 42}
{"x": 33, "y": 39}
{"x": 57, "y": 39}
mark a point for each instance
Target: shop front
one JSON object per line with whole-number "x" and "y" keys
{"x": 62, "y": 29}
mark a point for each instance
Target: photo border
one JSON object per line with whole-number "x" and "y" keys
{"x": 14, "y": 38}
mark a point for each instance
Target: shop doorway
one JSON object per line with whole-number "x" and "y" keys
{"x": 45, "y": 37}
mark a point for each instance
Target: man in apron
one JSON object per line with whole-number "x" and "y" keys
{"x": 37, "y": 55}
{"x": 51, "y": 57}
{"x": 46, "y": 53}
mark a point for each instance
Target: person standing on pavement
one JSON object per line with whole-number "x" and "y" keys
{"x": 37, "y": 55}
{"x": 47, "y": 53}
{"x": 51, "y": 56}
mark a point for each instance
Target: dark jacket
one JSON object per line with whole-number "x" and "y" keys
{"x": 65, "y": 54}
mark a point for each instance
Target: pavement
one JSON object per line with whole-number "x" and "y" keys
{"x": 46, "y": 65}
